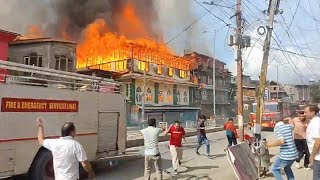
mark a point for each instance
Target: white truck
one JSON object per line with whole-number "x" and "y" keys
{"x": 94, "y": 104}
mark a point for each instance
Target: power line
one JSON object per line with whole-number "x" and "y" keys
{"x": 254, "y": 6}
{"x": 290, "y": 36}
{"x": 291, "y": 64}
{"x": 212, "y": 13}
{"x": 185, "y": 29}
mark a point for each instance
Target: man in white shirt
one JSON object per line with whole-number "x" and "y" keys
{"x": 152, "y": 153}
{"x": 66, "y": 152}
{"x": 313, "y": 138}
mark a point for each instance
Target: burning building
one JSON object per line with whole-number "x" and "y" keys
{"x": 143, "y": 65}
{"x": 204, "y": 94}
{"x": 117, "y": 40}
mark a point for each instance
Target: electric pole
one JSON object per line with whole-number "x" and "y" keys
{"x": 239, "y": 69}
{"x": 272, "y": 11}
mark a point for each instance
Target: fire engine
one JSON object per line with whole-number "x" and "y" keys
{"x": 273, "y": 111}
{"x": 94, "y": 104}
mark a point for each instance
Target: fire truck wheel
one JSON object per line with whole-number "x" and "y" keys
{"x": 42, "y": 166}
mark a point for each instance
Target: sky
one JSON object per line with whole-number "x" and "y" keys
{"x": 187, "y": 26}
{"x": 296, "y": 31}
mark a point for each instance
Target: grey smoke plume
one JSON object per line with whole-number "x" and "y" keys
{"x": 174, "y": 17}
{"x": 72, "y": 16}
{"x": 17, "y": 15}
{"x": 162, "y": 19}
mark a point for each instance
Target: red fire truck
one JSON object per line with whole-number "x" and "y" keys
{"x": 273, "y": 111}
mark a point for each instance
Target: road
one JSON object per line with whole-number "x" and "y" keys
{"x": 193, "y": 166}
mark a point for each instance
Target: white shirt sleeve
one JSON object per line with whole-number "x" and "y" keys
{"x": 159, "y": 131}
{"x": 315, "y": 129}
{"x": 81, "y": 153}
{"x": 49, "y": 143}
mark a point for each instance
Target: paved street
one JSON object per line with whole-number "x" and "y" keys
{"x": 193, "y": 166}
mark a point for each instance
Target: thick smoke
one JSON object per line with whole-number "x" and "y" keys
{"x": 174, "y": 17}
{"x": 17, "y": 15}
{"x": 161, "y": 19}
{"x": 75, "y": 15}
{"x": 68, "y": 18}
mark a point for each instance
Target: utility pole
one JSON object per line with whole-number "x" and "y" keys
{"x": 272, "y": 11}
{"x": 278, "y": 82}
{"x": 144, "y": 92}
{"x": 214, "y": 76}
{"x": 239, "y": 70}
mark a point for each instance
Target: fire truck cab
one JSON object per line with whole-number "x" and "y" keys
{"x": 94, "y": 104}
{"x": 273, "y": 112}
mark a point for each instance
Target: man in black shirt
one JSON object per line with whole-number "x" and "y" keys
{"x": 201, "y": 134}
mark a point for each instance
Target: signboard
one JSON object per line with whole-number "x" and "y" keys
{"x": 105, "y": 89}
{"x": 266, "y": 94}
{"x": 37, "y": 105}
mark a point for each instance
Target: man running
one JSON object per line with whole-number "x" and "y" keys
{"x": 299, "y": 129}
{"x": 201, "y": 134}
{"x": 313, "y": 138}
{"x": 177, "y": 133}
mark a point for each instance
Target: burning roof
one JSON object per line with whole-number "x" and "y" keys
{"x": 39, "y": 40}
{"x": 100, "y": 45}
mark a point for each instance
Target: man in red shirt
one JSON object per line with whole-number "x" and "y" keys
{"x": 177, "y": 133}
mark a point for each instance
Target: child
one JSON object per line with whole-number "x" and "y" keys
{"x": 231, "y": 132}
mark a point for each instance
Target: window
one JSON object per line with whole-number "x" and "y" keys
{"x": 63, "y": 63}
{"x": 178, "y": 97}
{"x": 143, "y": 66}
{"x": 183, "y": 74}
{"x": 138, "y": 95}
{"x": 160, "y": 96}
{"x": 149, "y": 95}
{"x": 171, "y": 72}
{"x": 185, "y": 97}
{"x": 159, "y": 69}
{"x": 203, "y": 79}
{"x": 168, "y": 96}
{"x": 275, "y": 88}
{"x": 121, "y": 65}
{"x": 33, "y": 60}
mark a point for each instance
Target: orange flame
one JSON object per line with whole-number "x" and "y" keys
{"x": 100, "y": 46}
{"x": 34, "y": 31}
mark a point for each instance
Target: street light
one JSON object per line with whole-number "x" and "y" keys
{"x": 214, "y": 69}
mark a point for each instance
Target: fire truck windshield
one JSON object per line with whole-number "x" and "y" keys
{"x": 267, "y": 108}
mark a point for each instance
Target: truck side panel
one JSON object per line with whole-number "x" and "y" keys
{"x": 18, "y": 131}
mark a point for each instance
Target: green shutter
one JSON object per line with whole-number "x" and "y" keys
{"x": 190, "y": 95}
{"x": 156, "y": 92}
{"x": 175, "y": 95}
{"x": 133, "y": 92}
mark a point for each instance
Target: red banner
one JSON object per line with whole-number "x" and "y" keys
{"x": 38, "y": 105}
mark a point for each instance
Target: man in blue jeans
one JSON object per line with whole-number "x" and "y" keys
{"x": 201, "y": 134}
{"x": 288, "y": 151}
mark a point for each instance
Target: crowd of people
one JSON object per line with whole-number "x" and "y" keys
{"x": 298, "y": 137}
